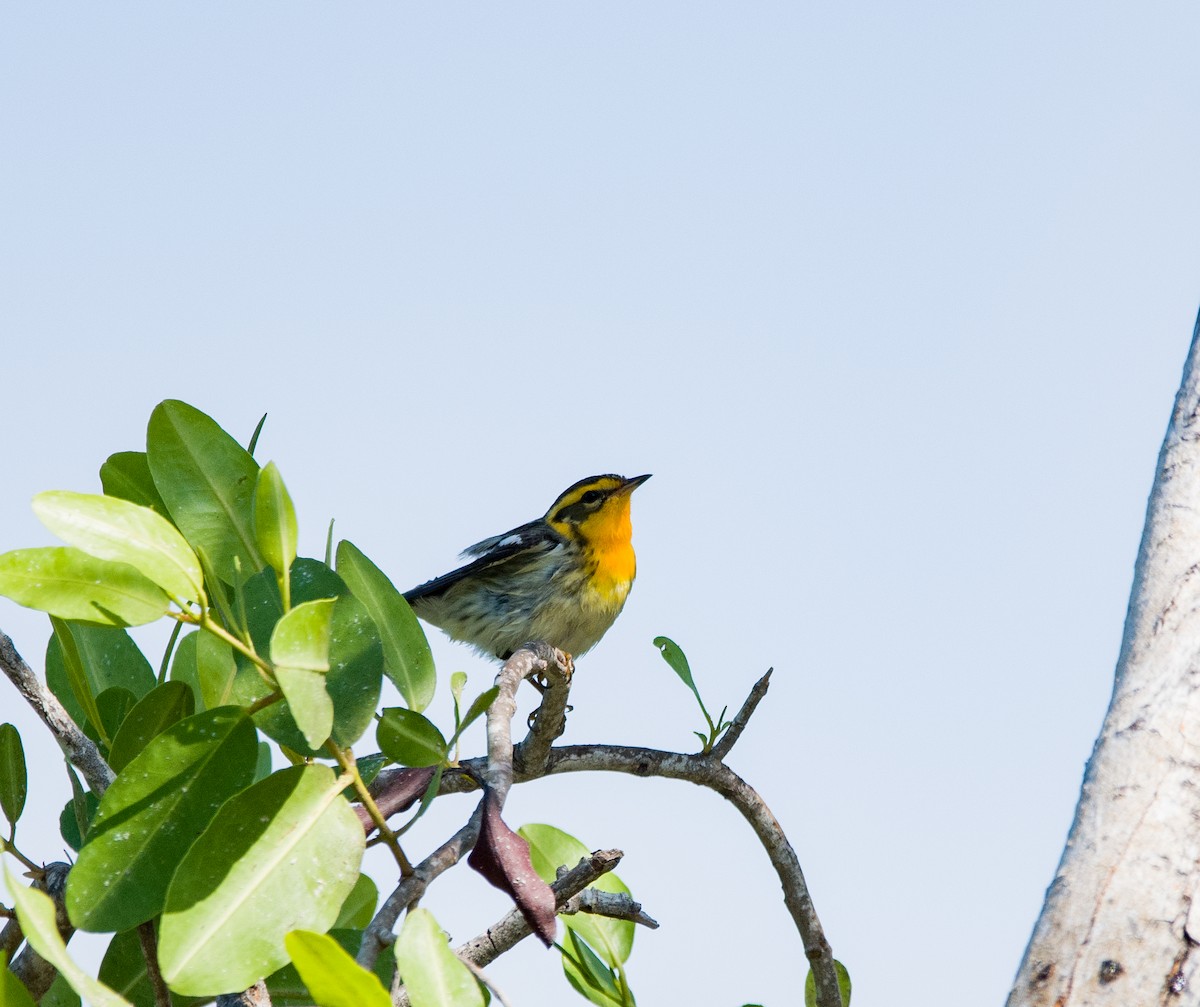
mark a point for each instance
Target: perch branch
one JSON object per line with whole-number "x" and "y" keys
{"x": 496, "y": 770}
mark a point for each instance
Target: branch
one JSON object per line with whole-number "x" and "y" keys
{"x": 497, "y": 772}
{"x": 379, "y": 934}
{"x": 513, "y": 928}
{"x": 706, "y": 771}
{"x": 614, "y": 905}
{"x": 738, "y": 724}
{"x": 149, "y": 942}
{"x": 1120, "y": 920}
{"x": 79, "y": 749}
{"x": 703, "y": 770}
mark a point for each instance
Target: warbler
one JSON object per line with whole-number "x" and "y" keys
{"x": 563, "y": 578}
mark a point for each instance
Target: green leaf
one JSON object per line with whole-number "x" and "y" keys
{"x": 68, "y": 819}
{"x": 432, "y": 973}
{"x": 300, "y": 654}
{"x": 207, "y": 481}
{"x": 355, "y": 656}
{"x": 676, "y": 658}
{"x": 262, "y": 767}
{"x": 83, "y": 661}
{"x": 35, "y": 910}
{"x": 254, "y": 436}
{"x": 407, "y": 738}
{"x": 12, "y": 991}
{"x": 162, "y": 707}
{"x": 184, "y": 667}
{"x": 60, "y": 994}
{"x": 479, "y": 706}
{"x": 123, "y": 532}
{"x": 589, "y": 976}
{"x": 843, "y": 981}
{"x": 151, "y": 815}
{"x": 369, "y": 766}
{"x": 70, "y": 584}
{"x": 216, "y": 670}
{"x": 13, "y": 780}
{"x": 408, "y": 661}
{"x": 287, "y": 990}
{"x": 127, "y": 475}
{"x": 280, "y": 856}
{"x": 551, "y": 848}
{"x": 275, "y": 526}
{"x": 359, "y": 908}
{"x": 333, "y": 978}
{"x": 114, "y": 705}
{"x": 79, "y": 685}
{"x": 123, "y": 970}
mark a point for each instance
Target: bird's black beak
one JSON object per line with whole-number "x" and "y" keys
{"x": 632, "y": 484}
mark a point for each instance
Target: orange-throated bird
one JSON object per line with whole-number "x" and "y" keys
{"x": 563, "y": 578}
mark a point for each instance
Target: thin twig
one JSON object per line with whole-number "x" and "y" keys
{"x": 614, "y": 905}
{"x": 734, "y": 731}
{"x": 79, "y": 749}
{"x": 483, "y": 978}
{"x": 345, "y": 759}
{"x": 378, "y": 934}
{"x": 149, "y": 940}
{"x": 514, "y": 928}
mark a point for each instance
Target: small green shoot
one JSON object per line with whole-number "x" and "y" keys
{"x": 678, "y": 661}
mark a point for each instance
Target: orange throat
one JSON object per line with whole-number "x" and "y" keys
{"x": 609, "y": 535}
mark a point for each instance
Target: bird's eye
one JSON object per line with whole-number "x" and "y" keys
{"x": 591, "y": 497}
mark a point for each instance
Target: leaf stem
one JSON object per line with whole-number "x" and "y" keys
{"x": 166, "y": 658}
{"x": 6, "y": 846}
{"x": 345, "y": 759}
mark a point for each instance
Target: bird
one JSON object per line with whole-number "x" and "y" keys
{"x": 562, "y": 578}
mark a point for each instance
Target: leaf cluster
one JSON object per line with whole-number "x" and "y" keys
{"x": 242, "y": 869}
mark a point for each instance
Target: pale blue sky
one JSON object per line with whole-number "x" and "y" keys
{"x": 891, "y": 299}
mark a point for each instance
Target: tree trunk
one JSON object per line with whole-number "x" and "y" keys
{"x": 1118, "y": 925}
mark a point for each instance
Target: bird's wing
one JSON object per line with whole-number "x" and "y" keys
{"x": 530, "y": 539}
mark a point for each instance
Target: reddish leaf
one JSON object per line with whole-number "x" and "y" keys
{"x": 502, "y": 857}
{"x": 401, "y": 790}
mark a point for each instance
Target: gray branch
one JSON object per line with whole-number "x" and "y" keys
{"x": 615, "y": 905}
{"x": 496, "y": 770}
{"x": 513, "y": 928}
{"x": 79, "y": 749}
